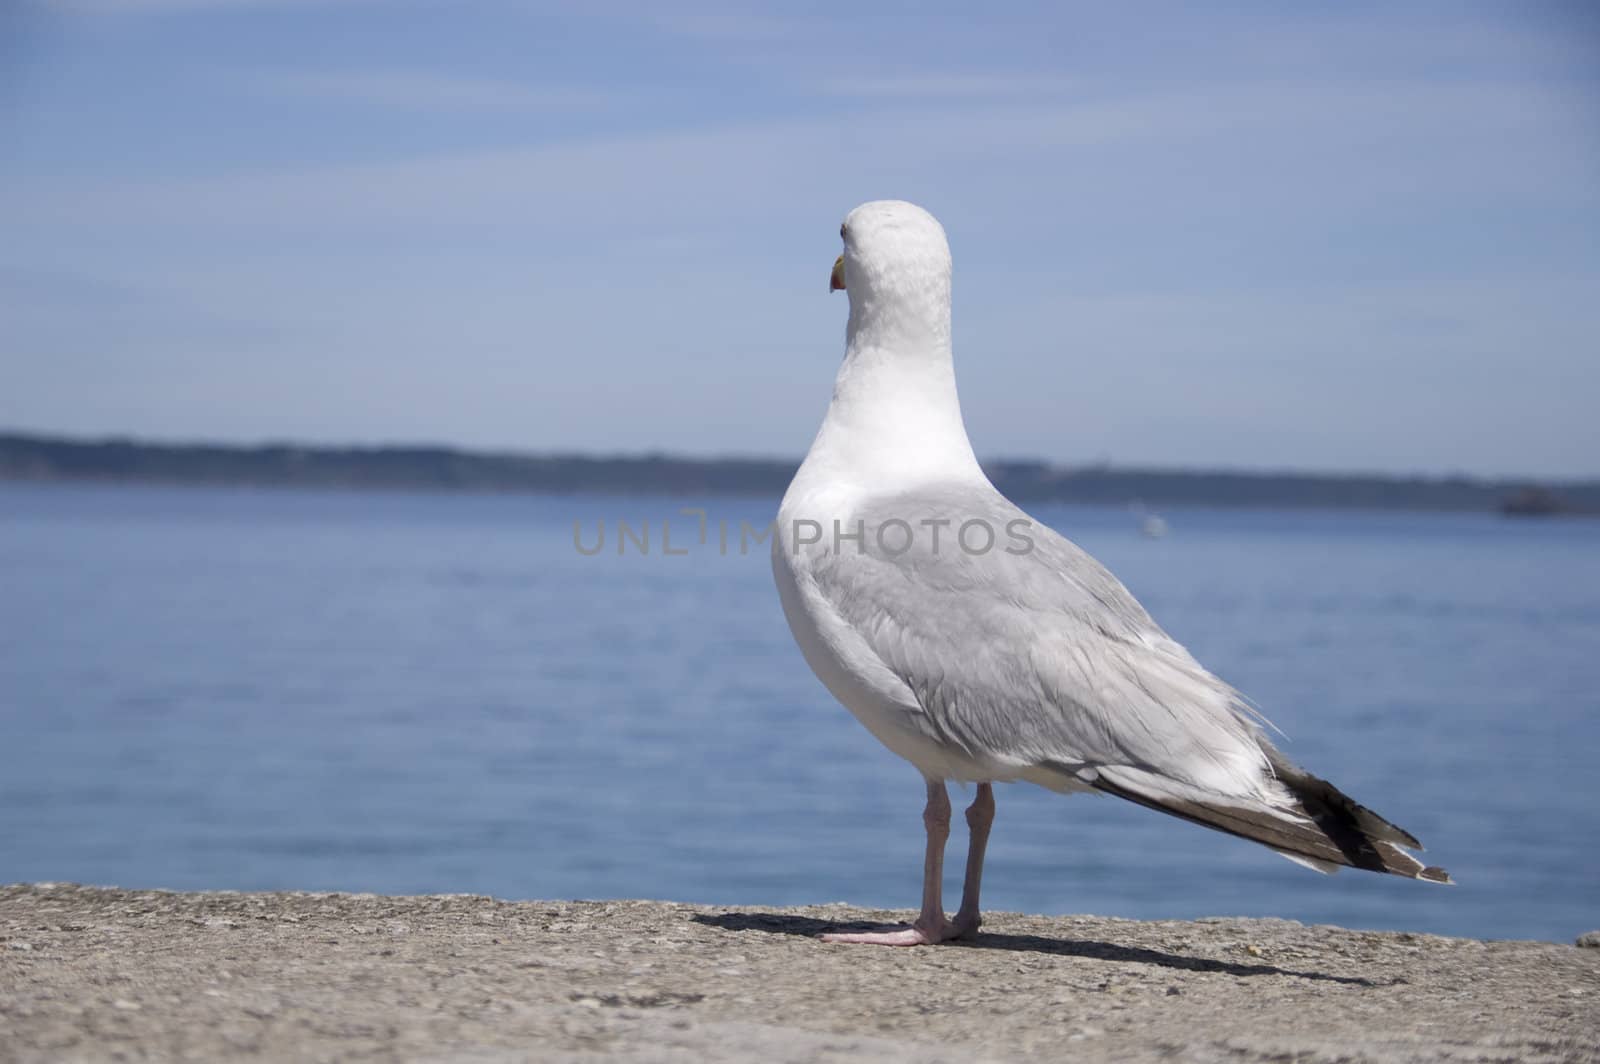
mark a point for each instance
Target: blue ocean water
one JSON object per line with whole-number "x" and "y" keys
{"x": 218, "y": 688}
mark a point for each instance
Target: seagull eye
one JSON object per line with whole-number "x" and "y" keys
{"x": 842, "y": 233}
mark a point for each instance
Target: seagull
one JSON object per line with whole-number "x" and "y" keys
{"x": 982, "y": 646}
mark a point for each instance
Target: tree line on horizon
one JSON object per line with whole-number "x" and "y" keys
{"x": 48, "y": 458}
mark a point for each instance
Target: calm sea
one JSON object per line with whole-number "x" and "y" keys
{"x": 407, "y": 693}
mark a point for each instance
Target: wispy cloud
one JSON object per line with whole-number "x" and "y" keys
{"x": 727, "y": 27}
{"x": 419, "y": 90}
{"x": 167, "y": 7}
{"x": 758, "y": 170}
{"x": 951, "y": 86}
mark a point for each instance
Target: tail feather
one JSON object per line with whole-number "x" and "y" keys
{"x": 1323, "y": 827}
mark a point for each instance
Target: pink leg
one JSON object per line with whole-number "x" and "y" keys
{"x": 980, "y": 815}
{"x": 930, "y": 926}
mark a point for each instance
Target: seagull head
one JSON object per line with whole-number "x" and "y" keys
{"x": 895, "y": 268}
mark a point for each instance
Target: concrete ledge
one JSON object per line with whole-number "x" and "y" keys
{"x": 99, "y": 974}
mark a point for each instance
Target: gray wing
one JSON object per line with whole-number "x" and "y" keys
{"x": 1022, "y": 650}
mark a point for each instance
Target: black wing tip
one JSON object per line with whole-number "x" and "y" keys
{"x": 1367, "y": 840}
{"x": 1435, "y": 874}
{"x": 1337, "y": 830}
{"x": 1407, "y": 839}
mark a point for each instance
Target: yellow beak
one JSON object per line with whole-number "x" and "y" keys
{"x": 836, "y": 279}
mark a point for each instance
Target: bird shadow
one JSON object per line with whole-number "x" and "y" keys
{"x": 807, "y": 927}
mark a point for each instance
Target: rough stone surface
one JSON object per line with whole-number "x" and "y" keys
{"x": 98, "y": 974}
{"x": 1589, "y": 940}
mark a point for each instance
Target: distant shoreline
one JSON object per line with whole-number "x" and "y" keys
{"x": 41, "y": 458}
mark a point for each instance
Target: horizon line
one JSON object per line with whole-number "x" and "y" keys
{"x": 1093, "y": 466}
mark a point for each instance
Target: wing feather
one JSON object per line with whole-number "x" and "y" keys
{"x": 1037, "y": 658}
{"x": 1031, "y": 652}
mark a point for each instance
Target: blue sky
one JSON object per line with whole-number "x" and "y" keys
{"x": 1337, "y": 236}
